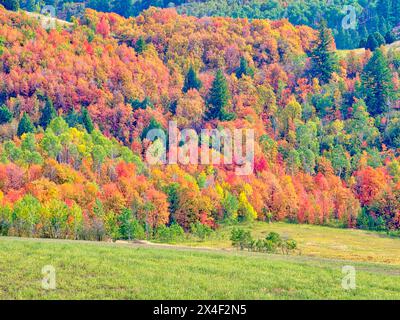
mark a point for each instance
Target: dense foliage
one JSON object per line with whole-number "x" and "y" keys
{"x": 351, "y": 27}
{"x": 273, "y": 242}
{"x": 77, "y": 101}
{"x": 355, "y": 23}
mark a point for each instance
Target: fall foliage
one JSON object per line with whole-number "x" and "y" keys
{"x": 77, "y": 100}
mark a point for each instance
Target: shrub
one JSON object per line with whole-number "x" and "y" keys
{"x": 200, "y": 230}
{"x": 241, "y": 238}
{"x": 169, "y": 234}
{"x": 5, "y": 220}
{"x": 289, "y": 246}
{"x": 129, "y": 227}
{"x": 271, "y": 244}
{"x": 274, "y": 238}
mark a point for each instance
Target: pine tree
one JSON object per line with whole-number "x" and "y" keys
{"x": 395, "y": 12}
{"x": 363, "y": 32}
{"x": 390, "y": 37}
{"x": 377, "y": 83}
{"x": 218, "y": 98}
{"x": 384, "y": 8}
{"x": 191, "y": 81}
{"x": 87, "y": 120}
{"x": 25, "y": 125}
{"x": 244, "y": 69}
{"x": 48, "y": 114}
{"x": 379, "y": 38}
{"x": 5, "y": 115}
{"x": 123, "y": 7}
{"x": 10, "y": 4}
{"x": 73, "y": 119}
{"x": 31, "y": 5}
{"x": 140, "y": 45}
{"x": 371, "y": 43}
{"x": 323, "y": 57}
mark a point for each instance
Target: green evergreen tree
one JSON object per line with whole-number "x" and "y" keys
{"x": 73, "y": 119}
{"x": 10, "y": 4}
{"x": 384, "y": 8}
{"x": 371, "y": 43}
{"x": 244, "y": 69}
{"x": 25, "y": 125}
{"x": 31, "y": 5}
{"x": 191, "y": 81}
{"x": 363, "y": 43}
{"x": 363, "y": 32}
{"x": 218, "y": 98}
{"x": 390, "y": 37}
{"x": 379, "y": 38}
{"x": 140, "y": 45}
{"x": 323, "y": 58}
{"x": 48, "y": 114}
{"x": 87, "y": 120}
{"x": 123, "y": 7}
{"x": 153, "y": 125}
{"x": 377, "y": 83}
{"x": 395, "y": 12}
{"x": 5, "y": 115}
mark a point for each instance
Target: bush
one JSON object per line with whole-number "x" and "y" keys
{"x": 368, "y": 222}
{"x": 200, "y": 230}
{"x": 289, "y": 246}
{"x": 129, "y": 227}
{"x": 274, "y": 238}
{"x": 241, "y": 239}
{"x": 5, "y": 220}
{"x": 169, "y": 234}
{"x": 271, "y": 244}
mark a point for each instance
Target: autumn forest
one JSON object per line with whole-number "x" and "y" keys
{"x": 77, "y": 100}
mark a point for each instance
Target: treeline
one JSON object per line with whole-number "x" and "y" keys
{"x": 367, "y": 25}
{"x": 368, "y": 18}
{"x": 124, "y": 8}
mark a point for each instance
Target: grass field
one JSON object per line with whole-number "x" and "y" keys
{"x": 127, "y": 271}
{"x": 323, "y": 242}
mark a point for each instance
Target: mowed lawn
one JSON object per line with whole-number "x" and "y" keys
{"x": 318, "y": 241}
{"x": 116, "y": 271}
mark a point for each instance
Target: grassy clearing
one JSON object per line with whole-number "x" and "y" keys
{"x": 317, "y": 241}
{"x": 343, "y": 53}
{"x": 110, "y": 271}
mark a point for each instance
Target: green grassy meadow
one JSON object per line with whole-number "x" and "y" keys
{"x": 88, "y": 270}
{"x": 319, "y": 241}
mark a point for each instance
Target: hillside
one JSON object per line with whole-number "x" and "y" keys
{"x": 77, "y": 104}
{"x": 169, "y": 156}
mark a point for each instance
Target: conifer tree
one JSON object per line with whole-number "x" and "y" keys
{"x": 218, "y": 98}
{"x": 244, "y": 69}
{"x": 87, "y": 120}
{"x": 123, "y": 7}
{"x": 10, "y": 4}
{"x": 5, "y": 115}
{"x": 25, "y": 125}
{"x": 377, "y": 83}
{"x": 323, "y": 57}
{"x": 191, "y": 81}
{"x": 48, "y": 114}
{"x": 140, "y": 45}
{"x": 371, "y": 43}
